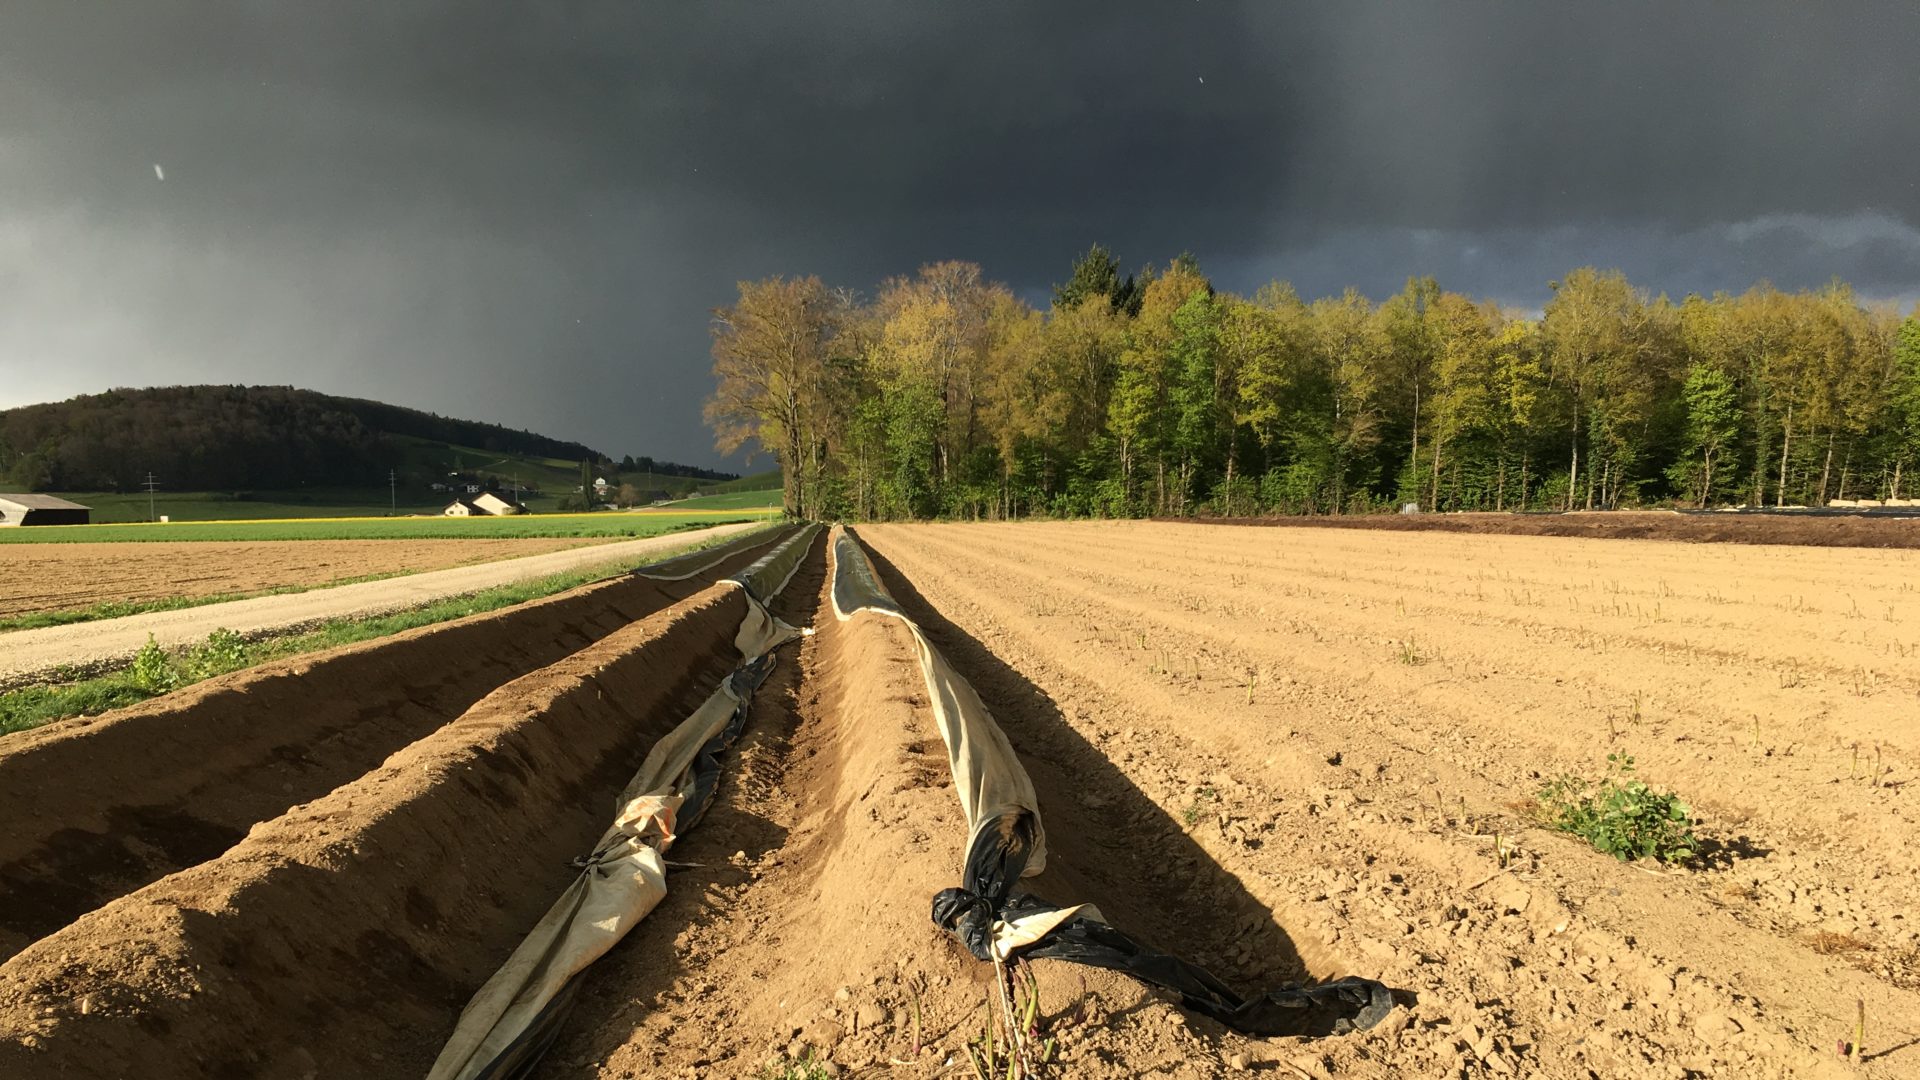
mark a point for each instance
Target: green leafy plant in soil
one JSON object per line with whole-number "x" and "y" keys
{"x": 152, "y": 669}
{"x": 1620, "y": 815}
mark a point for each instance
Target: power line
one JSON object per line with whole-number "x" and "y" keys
{"x": 150, "y": 485}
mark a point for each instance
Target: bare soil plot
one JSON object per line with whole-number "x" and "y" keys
{"x": 1817, "y": 529}
{"x": 1409, "y": 689}
{"x": 1281, "y": 753}
{"x": 68, "y": 577}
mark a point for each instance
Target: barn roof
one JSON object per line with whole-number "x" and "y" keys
{"x": 41, "y": 502}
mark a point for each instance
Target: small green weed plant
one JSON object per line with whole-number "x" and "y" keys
{"x": 1620, "y": 815}
{"x": 152, "y": 669}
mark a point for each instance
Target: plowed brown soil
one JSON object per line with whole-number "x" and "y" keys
{"x": 343, "y": 937}
{"x": 1284, "y": 753}
{"x": 1810, "y": 529}
{"x": 68, "y": 577}
{"x": 98, "y": 806}
{"x": 802, "y": 927}
{"x": 1410, "y": 693}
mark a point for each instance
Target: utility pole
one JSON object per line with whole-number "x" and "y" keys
{"x": 393, "y": 495}
{"x": 150, "y": 484}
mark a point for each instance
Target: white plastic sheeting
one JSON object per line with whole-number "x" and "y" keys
{"x": 625, "y": 877}
{"x": 1006, "y": 842}
{"x": 994, "y": 788}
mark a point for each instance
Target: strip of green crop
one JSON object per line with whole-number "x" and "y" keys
{"x": 155, "y": 672}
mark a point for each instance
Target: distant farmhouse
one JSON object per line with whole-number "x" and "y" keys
{"x": 484, "y": 504}
{"x": 42, "y": 510}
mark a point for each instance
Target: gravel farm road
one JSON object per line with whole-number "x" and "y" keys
{"x": 28, "y": 653}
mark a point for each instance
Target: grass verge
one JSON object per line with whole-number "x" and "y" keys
{"x": 155, "y": 671}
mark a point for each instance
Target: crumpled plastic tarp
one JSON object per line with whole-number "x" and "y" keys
{"x": 1006, "y": 842}
{"x": 515, "y": 1016}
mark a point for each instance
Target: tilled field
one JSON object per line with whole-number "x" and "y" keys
{"x": 1409, "y": 690}
{"x": 67, "y": 577}
{"x": 1284, "y": 754}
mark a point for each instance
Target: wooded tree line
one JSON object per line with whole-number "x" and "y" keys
{"x": 231, "y": 437}
{"x": 1156, "y": 393}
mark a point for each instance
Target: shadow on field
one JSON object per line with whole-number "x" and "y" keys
{"x": 1108, "y": 842}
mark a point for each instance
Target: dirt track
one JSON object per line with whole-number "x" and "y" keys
{"x": 67, "y": 577}
{"x": 1409, "y": 688}
{"x": 83, "y": 645}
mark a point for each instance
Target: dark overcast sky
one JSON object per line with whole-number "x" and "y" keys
{"x": 526, "y": 215}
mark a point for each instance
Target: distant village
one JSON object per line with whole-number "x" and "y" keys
{"x": 478, "y": 496}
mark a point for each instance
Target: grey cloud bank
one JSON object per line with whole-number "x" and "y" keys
{"x": 524, "y": 215}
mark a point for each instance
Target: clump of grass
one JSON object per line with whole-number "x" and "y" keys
{"x": 1410, "y": 654}
{"x": 1620, "y": 815}
{"x": 33, "y": 706}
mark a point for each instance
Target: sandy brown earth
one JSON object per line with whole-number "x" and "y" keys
{"x": 99, "y": 806}
{"x": 1815, "y": 529}
{"x": 1359, "y": 794}
{"x": 68, "y": 577}
{"x": 1286, "y": 754}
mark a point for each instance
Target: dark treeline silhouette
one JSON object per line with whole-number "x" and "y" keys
{"x": 239, "y": 437}
{"x": 1156, "y": 393}
{"x": 664, "y": 467}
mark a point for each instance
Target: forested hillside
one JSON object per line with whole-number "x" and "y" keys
{"x": 240, "y": 437}
{"x": 1159, "y": 394}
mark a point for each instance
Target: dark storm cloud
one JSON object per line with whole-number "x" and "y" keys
{"x": 524, "y": 215}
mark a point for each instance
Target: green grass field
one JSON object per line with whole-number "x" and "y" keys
{"x": 756, "y": 482}
{"x": 732, "y": 500}
{"x": 605, "y": 523}
{"x": 182, "y": 506}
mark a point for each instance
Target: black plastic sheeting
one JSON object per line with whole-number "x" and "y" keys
{"x": 854, "y": 584}
{"x": 769, "y": 574}
{"x": 989, "y": 892}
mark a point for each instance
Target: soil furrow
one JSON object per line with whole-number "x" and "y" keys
{"x": 97, "y": 807}
{"x": 343, "y": 937}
